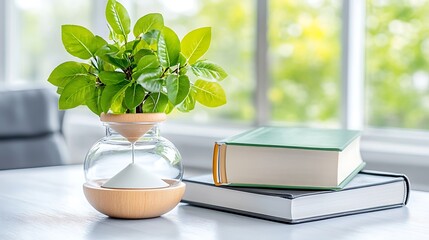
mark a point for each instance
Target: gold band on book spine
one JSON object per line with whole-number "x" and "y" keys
{"x": 219, "y": 164}
{"x": 215, "y": 165}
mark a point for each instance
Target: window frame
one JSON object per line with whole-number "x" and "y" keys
{"x": 3, "y": 39}
{"x": 352, "y": 64}
{"x": 262, "y": 78}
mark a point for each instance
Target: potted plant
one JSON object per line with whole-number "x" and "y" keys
{"x": 131, "y": 85}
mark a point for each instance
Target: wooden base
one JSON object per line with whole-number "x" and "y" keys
{"x": 134, "y": 203}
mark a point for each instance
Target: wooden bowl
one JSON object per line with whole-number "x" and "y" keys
{"x": 134, "y": 203}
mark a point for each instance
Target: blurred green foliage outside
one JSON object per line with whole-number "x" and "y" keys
{"x": 304, "y": 54}
{"x": 397, "y": 64}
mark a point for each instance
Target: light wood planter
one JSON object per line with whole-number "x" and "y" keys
{"x": 134, "y": 203}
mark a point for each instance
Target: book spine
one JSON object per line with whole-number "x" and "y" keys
{"x": 403, "y": 176}
{"x": 219, "y": 171}
{"x": 215, "y": 167}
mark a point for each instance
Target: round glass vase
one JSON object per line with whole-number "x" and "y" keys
{"x": 131, "y": 165}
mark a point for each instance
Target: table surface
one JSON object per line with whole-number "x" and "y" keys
{"x": 48, "y": 203}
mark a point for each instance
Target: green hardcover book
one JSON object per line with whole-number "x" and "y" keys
{"x": 283, "y": 157}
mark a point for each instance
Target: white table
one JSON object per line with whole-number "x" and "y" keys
{"x": 48, "y": 203}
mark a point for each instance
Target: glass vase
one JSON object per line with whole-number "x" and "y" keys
{"x": 133, "y": 159}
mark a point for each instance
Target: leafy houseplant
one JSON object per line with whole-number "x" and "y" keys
{"x": 149, "y": 74}
{"x": 132, "y": 85}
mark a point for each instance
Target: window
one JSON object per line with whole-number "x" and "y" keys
{"x": 33, "y": 36}
{"x": 286, "y": 59}
{"x": 359, "y": 64}
{"x": 304, "y": 61}
{"x": 397, "y": 64}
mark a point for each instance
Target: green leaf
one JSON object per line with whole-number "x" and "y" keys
{"x": 110, "y": 95}
{"x": 109, "y": 54}
{"x": 117, "y": 104}
{"x": 134, "y": 96}
{"x": 105, "y": 66}
{"x": 210, "y": 94}
{"x": 151, "y": 38}
{"x": 147, "y": 62}
{"x": 111, "y": 78}
{"x": 146, "y": 74}
{"x": 130, "y": 46}
{"x": 67, "y": 71}
{"x": 97, "y": 43}
{"x": 108, "y": 49}
{"x": 168, "y": 48}
{"x": 141, "y": 53}
{"x": 118, "y": 62}
{"x": 182, "y": 60}
{"x": 156, "y": 102}
{"x": 188, "y": 104}
{"x": 196, "y": 43}
{"x": 169, "y": 108}
{"x": 177, "y": 88}
{"x": 94, "y": 101}
{"x": 76, "y": 93}
{"x": 141, "y": 45}
{"x": 78, "y": 41}
{"x": 148, "y": 22}
{"x": 208, "y": 70}
{"x": 118, "y": 18}
{"x": 117, "y": 38}
{"x": 183, "y": 67}
{"x": 152, "y": 84}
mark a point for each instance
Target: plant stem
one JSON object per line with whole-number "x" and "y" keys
{"x": 139, "y": 108}
{"x": 145, "y": 97}
{"x": 165, "y": 71}
{"x": 94, "y": 64}
{"x": 128, "y": 73}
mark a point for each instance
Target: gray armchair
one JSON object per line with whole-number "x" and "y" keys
{"x": 31, "y": 132}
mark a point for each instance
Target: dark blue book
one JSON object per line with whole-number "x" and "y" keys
{"x": 368, "y": 191}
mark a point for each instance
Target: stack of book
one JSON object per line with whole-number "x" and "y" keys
{"x": 294, "y": 175}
